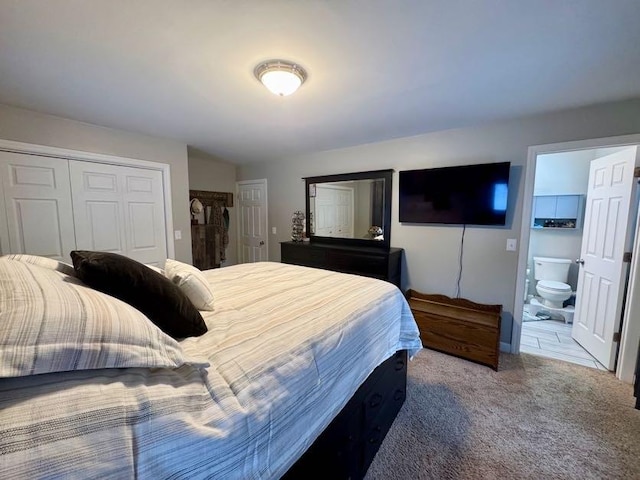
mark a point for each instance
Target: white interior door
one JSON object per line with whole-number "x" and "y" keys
{"x": 334, "y": 211}
{"x": 325, "y": 211}
{"x": 252, "y": 221}
{"x": 344, "y": 212}
{"x": 37, "y": 203}
{"x": 119, "y": 209}
{"x": 605, "y": 239}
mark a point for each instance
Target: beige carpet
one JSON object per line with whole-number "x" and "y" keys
{"x": 535, "y": 418}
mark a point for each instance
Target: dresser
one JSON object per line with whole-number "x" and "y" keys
{"x": 367, "y": 261}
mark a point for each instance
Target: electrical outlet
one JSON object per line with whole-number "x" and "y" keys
{"x": 177, "y": 234}
{"x": 512, "y": 244}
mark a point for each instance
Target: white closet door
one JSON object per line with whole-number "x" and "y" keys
{"x": 119, "y": 209}
{"x": 37, "y": 203}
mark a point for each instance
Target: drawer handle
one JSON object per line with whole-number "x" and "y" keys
{"x": 399, "y": 364}
{"x": 398, "y": 395}
{"x": 375, "y": 400}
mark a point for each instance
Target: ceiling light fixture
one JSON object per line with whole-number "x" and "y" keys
{"x": 280, "y": 77}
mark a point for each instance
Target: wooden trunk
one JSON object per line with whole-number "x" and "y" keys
{"x": 457, "y": 326}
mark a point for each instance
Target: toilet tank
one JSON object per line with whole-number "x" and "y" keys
{"x": 547, "y": 268}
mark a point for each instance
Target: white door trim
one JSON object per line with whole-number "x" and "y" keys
{"x": 630, "y": 351}
{"x": 266, "y": 210}
{"x": 56, "y": 152}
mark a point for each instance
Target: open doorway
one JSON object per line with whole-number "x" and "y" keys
{"x": 555, "y": 243}
{"x": 556, "y": 192}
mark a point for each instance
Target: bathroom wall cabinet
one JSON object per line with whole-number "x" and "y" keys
{"x": 557, "y": 211}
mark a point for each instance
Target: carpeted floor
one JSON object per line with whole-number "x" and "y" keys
{"x": 535, "y": 418}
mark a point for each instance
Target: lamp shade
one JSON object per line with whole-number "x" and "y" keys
{"x": 280, "y": 77}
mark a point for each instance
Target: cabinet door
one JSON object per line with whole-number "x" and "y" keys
{"x": 119, "y": 209}
{"x": 37, "y": 203}
{"x": 567, "y": 206}
{"x": 545, "y": 207}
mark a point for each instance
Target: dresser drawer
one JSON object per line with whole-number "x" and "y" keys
{"x": 303, "y": 255}
{"x": 369, "y": 262}
{"x": 357, "y": 263}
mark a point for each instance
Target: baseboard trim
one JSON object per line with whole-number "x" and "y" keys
{"x": 505, "y": 347}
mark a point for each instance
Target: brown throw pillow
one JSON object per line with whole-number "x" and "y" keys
{"x": 142, "y": 288}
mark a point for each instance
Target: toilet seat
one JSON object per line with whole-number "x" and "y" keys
{"x": 555, "y": 287}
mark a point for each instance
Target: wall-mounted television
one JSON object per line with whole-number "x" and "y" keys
{"x": 469, "y": 194}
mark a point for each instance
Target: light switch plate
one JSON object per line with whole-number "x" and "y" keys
{"x": 273, "y": 230}
{"x": 512, "y": 244}
{"x": 177, "y": 234}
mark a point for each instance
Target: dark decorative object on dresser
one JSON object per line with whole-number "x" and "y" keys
{"x": 457, "y": 326}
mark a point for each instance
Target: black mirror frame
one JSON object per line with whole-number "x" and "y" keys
{"x": 387, "y": 175}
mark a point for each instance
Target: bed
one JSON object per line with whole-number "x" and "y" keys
{"x": 286, "y": 351}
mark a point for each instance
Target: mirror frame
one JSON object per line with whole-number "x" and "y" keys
{"x": 386, "y": 175}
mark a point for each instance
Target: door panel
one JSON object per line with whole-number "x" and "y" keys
{"x": 37, "y": 200}
{"x": 252, "y": 210}
{"x": 104, "y": 226}
{"x": 120, "y": 209}
{"x": 602, "y": 275}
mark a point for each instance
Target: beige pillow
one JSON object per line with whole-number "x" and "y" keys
{"x": 192, "y": 282}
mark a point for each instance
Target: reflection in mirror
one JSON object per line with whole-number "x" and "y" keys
{"x": 348, "y": 209}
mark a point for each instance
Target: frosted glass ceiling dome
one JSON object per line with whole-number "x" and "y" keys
{"x": 280, "y": 77}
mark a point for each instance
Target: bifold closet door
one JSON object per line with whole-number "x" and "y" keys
{"x": 119, "y": 209}
{"x": 35, "y": 206}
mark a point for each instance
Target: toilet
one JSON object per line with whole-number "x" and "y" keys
{"x": 551, "y": 275}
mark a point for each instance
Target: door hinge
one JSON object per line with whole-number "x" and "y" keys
{"x": 616, "y": 337}
{"x": 626, "y": 257}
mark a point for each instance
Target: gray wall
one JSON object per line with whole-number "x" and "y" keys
{"x": 431, "y": 252}
{"x": 210, "y": 173}
{"x": 31, "y": 127}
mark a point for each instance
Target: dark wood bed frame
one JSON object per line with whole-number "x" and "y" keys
{"x": 345, "y": 449}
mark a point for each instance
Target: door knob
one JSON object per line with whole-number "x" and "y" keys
{"x": 261, "y": 242}
{"x": 579, "y": 261}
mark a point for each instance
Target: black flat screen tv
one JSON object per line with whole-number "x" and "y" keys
{"x": 465, "y": 195}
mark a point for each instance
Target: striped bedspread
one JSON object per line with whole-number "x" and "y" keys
{"x": 287, "y": 347}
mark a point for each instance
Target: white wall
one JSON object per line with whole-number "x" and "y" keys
{"x": 210, "y": 173}
{"x": 32, "y": 127}
{"x": 431, "y": 252}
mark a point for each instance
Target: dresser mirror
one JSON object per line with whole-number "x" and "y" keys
{"x": 350, "y": 208}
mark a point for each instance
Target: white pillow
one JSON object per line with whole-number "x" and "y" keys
{"x": 192, "y": 282}
{"x": 51, "y": 322}
{"x": 44, "y": 262}
{"x": 156, "y": 269}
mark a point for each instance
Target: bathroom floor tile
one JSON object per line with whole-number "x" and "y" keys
{"x": 570, "y": 350}
{"x": 529, "y": 340}
{"x": 552, "y": 339}
{"x": 566, "y": 358}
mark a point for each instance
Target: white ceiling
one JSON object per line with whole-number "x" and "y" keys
{"x": 378, "y": 69}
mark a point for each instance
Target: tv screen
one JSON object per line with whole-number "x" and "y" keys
{"x": 470, "y": 194}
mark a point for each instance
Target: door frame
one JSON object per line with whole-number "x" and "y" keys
{"x": 266, "y": 213}
{"x": 68, "y": 154}
{"x": 628, "y": 351}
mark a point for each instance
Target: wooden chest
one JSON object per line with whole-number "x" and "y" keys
{"x": 457, "y": 326}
